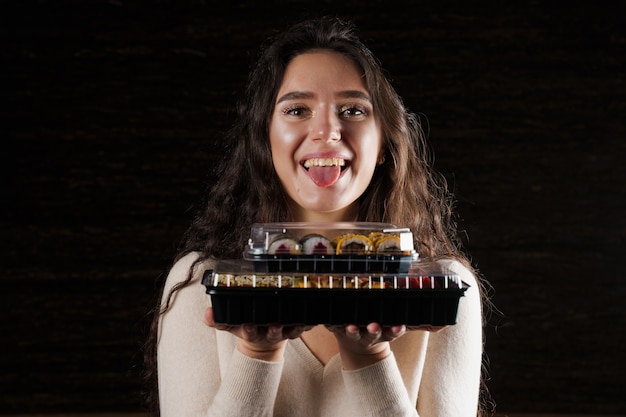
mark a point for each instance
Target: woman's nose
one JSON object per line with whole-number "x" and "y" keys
{"x": 325, "y": 126}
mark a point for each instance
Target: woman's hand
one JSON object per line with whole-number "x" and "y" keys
{"x": 363, "y": 346}
{"x": 259, "y": 342}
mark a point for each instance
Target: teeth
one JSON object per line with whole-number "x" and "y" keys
{"x": 324, "y": 162}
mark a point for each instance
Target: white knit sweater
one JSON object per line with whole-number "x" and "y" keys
{"x": 201, "y": 373}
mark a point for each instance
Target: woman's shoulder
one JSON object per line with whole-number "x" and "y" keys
{"x": 465, "y": 272}
{"x": 189, "y": 268}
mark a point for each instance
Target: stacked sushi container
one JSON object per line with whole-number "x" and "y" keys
{"x": 333, "y": 274}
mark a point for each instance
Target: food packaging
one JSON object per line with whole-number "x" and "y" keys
{"x": 428, "y": 294}
{"x": 343, "y": 247}
{"x": 332, "y": 274}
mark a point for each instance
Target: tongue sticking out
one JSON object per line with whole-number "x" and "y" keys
{"x": 324, "y": 176}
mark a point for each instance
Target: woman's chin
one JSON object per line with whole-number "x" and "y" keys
{"x": 328, "y": 210}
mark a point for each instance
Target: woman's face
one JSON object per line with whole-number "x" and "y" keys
{"x": 324, "y": 136}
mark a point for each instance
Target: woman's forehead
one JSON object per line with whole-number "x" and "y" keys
{"x": 323, "y": 70}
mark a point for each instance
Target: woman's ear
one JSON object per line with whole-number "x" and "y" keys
{"x": 381, "y": 157}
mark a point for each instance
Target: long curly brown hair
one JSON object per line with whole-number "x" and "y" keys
{"x": 404, "y": 190}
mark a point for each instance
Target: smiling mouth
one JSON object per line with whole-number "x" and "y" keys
{"x": 325, "y": 162}
{"x": 325, "y": 172}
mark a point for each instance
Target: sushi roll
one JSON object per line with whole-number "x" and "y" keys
{"x": 376, "y": 236}
{"x": 223, "y": 280}
{"x": 353, "y": 244}
{"x": 284, "y": 245}
{"x": 275, "y": 281}
{"x": 387, "y": 243}
{"x": 315, "y": 244}
{"x": 244, "y": 281}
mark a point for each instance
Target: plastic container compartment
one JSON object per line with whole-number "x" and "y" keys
{"x": 344, "y": 247}
{"x": 427, "y": 295}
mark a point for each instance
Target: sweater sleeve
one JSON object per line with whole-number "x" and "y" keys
{"x": 451, "y": 378}
{"x": 198, "y": 378}
{"x": 248, "y": 389}
{"x": 378, "y": 390}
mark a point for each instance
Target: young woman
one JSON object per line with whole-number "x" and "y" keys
{"x": 321, "y": 136}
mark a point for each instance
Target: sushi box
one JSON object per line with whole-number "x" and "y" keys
{"x": 427, "y": 294}
{"x": 343, "y": 247}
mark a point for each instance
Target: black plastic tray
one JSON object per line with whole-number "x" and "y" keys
{"x": 390, "y": 264}
{"x": 335, "y": 306}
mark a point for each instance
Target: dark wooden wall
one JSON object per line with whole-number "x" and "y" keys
{"x": 112, "y": 119}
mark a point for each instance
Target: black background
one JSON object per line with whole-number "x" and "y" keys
{"x": 113, "y": 114}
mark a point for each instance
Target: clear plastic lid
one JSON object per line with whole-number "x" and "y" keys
{"x": 329, "y": 238}
{"x": 421, "y": 275}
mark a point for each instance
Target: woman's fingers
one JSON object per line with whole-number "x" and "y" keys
{"x": 394, "y": 332}
{"x": 260, "y": 342}
{"x": 208, "y": 317}
{"x": 274, "y": 334}
{"x": 293, "y": 332}
{"x": 352, "y": 332}
{"x": 209, "y": 321}
{"x": 367, "y": 336}
{"x": 270, "y": 334}
{"x": 364, "y": 336}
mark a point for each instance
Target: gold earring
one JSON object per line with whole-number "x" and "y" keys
{"x": 381, "y": 159}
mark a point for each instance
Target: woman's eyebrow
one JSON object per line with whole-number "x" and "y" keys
{"x": 303, "y": 95}
{"x": 295, "y": 95}
{"x": 354, "y": 94}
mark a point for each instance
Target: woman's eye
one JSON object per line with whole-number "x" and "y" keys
{"x": 352, "y": 111}
{"x": 297, "y": 111}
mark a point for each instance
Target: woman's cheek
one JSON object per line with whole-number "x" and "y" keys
{"x": 285, "y": 138}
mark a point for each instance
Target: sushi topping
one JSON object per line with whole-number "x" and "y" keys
{"x": 283, "y": 246}
{"x": 354, "y": 244}
{"x": 315, "y": 244}
{"x": 387, "y": 244}
{"x": 324, "y": 171}
{"x": 319, "y": 248}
